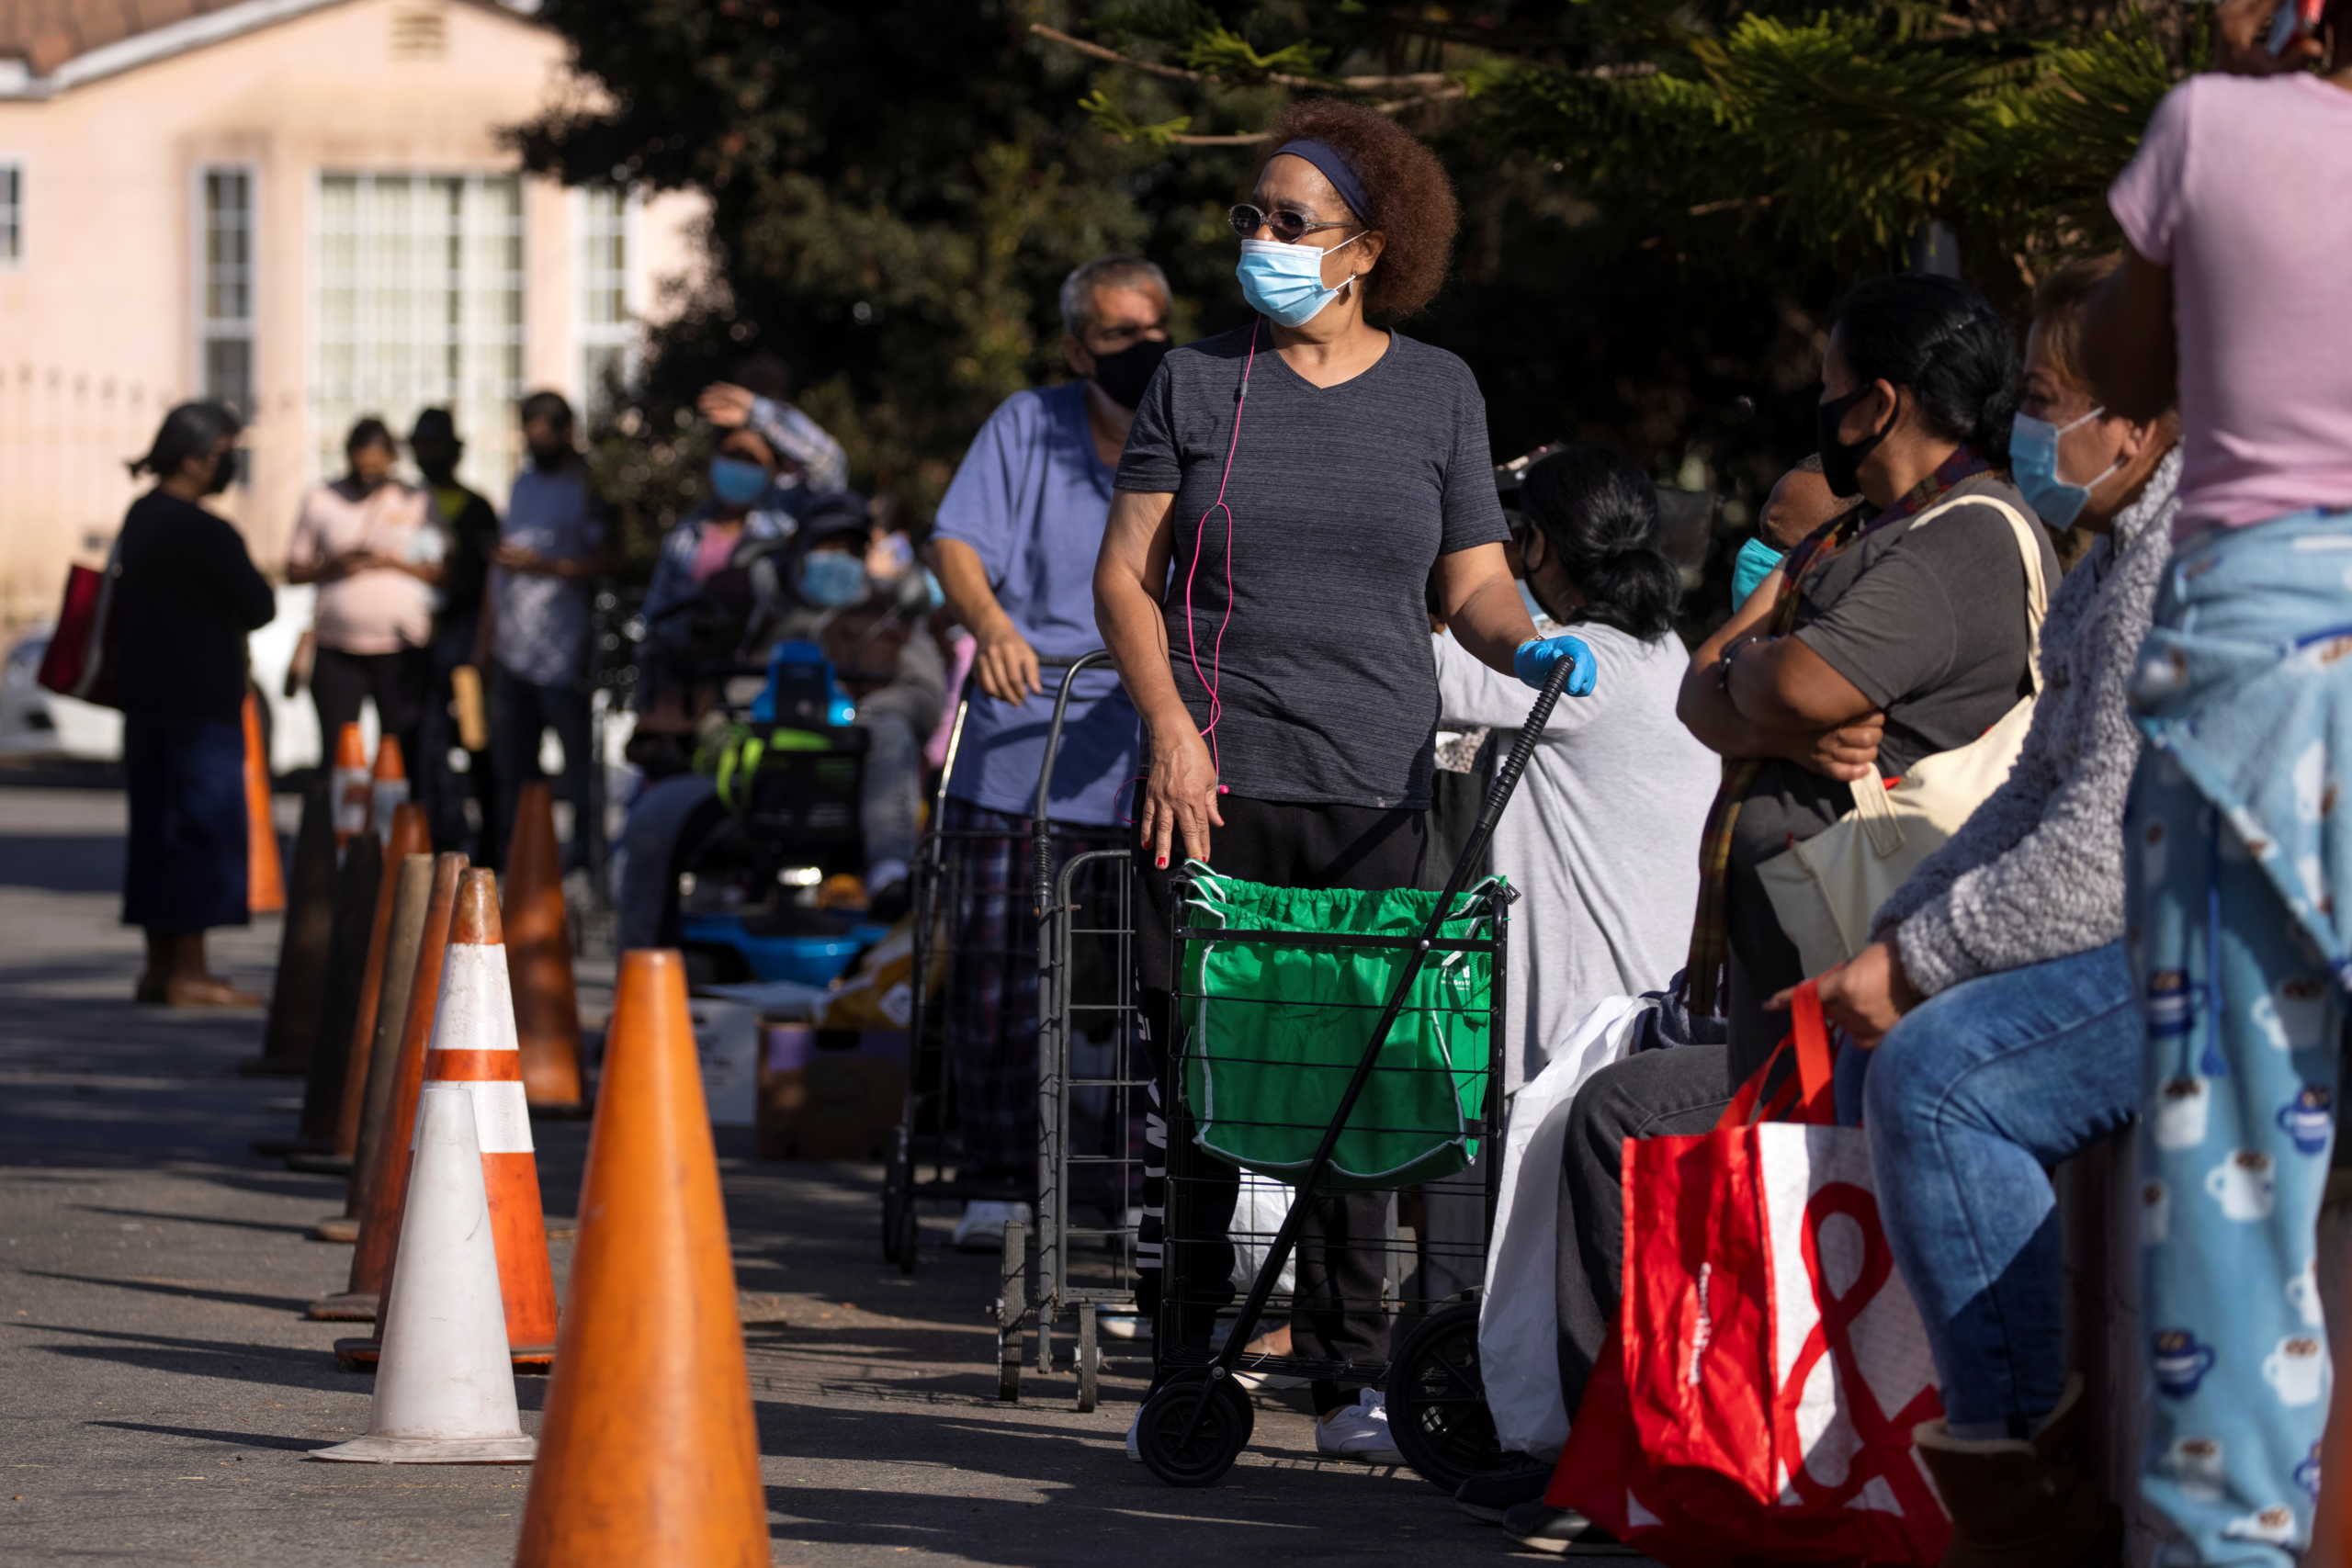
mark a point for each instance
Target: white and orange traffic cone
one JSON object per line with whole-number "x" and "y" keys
{"x": 473, "y": 1045}
{"x": 353, "y": 789}
{"x": 387, "y": 786}
{"x": 444, "y": 1393}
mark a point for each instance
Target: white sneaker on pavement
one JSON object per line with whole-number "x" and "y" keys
{"x": 982, "y": 1228}
{"x": 1359, "y": 1431}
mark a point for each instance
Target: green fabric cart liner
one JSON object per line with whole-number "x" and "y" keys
{"x": 1275, "y": 1030}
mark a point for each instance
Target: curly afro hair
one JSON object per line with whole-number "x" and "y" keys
{"x": 1412, "y": 197}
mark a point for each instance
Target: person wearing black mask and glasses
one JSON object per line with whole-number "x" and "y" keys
{"x": 1014, "y": 548}
{"x": 186, "y": 595}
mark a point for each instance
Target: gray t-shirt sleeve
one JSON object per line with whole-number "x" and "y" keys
{"x": 1472, "y": 507}
{"x": 1899, "y": 628}
{"x": 1152, "y": 463}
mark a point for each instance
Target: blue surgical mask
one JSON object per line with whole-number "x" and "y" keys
{"x": 831, "y": 579}
{"x": 2034, "y": 462}
{"x": 1755, "y": 561}
{"x": 734, "y": 481}
{"x": 1285, "y": 283}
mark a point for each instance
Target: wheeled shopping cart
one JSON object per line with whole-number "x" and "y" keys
{"x": 1264, "y": 981}
{"x": 962, "y": 921}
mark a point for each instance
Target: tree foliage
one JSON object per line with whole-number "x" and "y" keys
{"x": 1660, "y": 197}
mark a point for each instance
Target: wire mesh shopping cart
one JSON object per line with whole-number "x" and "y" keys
{"x": 975, "y": 949}
{"x": 1274, "y": 1069}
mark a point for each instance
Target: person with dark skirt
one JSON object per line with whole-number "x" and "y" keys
{"x": 186, "y": 595}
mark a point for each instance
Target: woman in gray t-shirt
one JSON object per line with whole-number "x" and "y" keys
{"x": 1288, "y": 495}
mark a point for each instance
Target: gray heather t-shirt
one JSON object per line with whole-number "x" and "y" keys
{"x": 1342, "y": 499}
{"x": 1926, "y": 617}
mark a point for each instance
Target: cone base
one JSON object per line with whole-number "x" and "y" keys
{"x": 373, "y": 1449}
{"x": 320, "y": 1163}
{"x": 351, "y": 1307}
{"x": 342, "y": 1228}
{"x": 360, "y": 1355}
{"x": 272, "y": 1067}
{"x": 560, "y": 1111}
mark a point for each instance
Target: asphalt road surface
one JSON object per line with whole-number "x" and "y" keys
{"x": 159, "y": 1387}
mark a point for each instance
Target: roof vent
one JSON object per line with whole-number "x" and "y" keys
{"x": 420, "y": 33}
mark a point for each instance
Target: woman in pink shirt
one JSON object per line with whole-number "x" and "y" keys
{"x": 367, "y": 541}
{"x": 2237, "y": 290}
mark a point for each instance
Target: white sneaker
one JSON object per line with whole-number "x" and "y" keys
{"x": 1120, "y": 1324}
{"x": 982, "y": 1228}
{"x": 1135, "y": 1450}
{"x": 1359, "y": 1431}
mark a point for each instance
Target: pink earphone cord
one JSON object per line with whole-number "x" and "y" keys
{"x": 1209, "y": 683}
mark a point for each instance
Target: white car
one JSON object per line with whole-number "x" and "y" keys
{"x": 39, "y": 723}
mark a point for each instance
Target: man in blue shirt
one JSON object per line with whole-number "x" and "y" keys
{"x": 1013, "y": 547}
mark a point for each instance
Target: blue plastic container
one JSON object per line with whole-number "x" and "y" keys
{"x": 810, "y": 959}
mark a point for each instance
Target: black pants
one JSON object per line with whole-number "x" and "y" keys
{"x": 395, "y": 682}
{"x": 442, "y": 790}
{"x": 520, "y": 712}
{"x": 1336, "y": 1312}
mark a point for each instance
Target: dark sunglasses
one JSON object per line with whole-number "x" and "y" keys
{"x": 1289, "y": 227}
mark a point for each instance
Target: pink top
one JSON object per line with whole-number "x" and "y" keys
{"x": 2243, "y": 187}
{"x": 714, "y": 550}
{"x": 379, "y": 611}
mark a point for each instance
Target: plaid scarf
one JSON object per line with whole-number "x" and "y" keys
{"x": 1710, "y": 928}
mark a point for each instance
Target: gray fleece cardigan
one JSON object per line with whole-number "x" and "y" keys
{"x": 2036, "y": 873}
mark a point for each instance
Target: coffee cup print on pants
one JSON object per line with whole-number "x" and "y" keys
{"x": 2307, "y": 1474}
{"x": 2179, "y": 1361}
{"x": 2302, "y": 1294}
{"x": 2309, "y": 1119}
{"x": 2156, "y": 1213}
{"x": 2294, "y": 1015}
{"x": 2297, "y": 1371}
{"x": 2184, "y": 1112}
{"x": 2274, "y": 1526}
{"x": 2195, "y": 1464}
{"x": 2246, "y": 1185}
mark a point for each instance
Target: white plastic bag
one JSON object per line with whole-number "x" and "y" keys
{"x": 1518, "y": 1328}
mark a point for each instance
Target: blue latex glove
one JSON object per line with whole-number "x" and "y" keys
{"x": 1533, "y": 661}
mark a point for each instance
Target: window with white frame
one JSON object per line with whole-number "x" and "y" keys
{"x": 225, "y": 287}
{"x": 12, "y": 213}
{"x": 419, "y": 304}
{"x": 607, "y": 334}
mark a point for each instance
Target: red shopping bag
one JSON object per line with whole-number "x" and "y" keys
{"x": 1758, "y": 1401}
{"x": 79, "y": 661}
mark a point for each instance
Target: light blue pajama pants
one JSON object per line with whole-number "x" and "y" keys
{"x": 2235, "y": 842}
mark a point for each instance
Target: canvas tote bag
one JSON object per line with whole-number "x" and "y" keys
{"x": 1827, "y": 888}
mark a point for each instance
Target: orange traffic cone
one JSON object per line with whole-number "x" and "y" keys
{"x": 383, "y": 1184}
{"x": 410, "y": 836}
{"x": 649, "y": 1452}
{"x": 538, "y": 945}
{"x": 412, "y": 900}
{"x": 473, "y": 1043}
{"x": 265, "y": 877}
{"x": 352, "y": 788}
{"x": 357, "y": 879}
{"x": 387, "y": 786}
{"x": 301, "y": 946}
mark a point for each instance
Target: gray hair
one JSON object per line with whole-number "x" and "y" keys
{"x": 1106, "y": 272}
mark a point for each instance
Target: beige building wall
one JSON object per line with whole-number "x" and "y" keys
{"x": 99, "y": 320}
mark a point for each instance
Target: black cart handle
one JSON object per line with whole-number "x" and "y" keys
{"x": 1041, "y": 837}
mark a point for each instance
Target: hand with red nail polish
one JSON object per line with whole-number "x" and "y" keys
{"x": 1181, "y": 795}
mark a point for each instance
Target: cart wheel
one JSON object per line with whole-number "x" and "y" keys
{"x": 1089, "y": 1359}
{"x": 1183, "y": 1453}
{"x": 1437, "y": 1402}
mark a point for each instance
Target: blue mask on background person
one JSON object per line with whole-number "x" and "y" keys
{"x": 1285, "y": 283}
{"x": 1755, "y": 561}
{"x": 736, "y": 481}
{"x": 831, "y": 579}
{"x": 2033, "y": 463}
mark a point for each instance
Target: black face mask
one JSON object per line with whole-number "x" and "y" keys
{"x": 225, "y": 469}
{"x": 1124, "y": 375}
{"x": 1841, "y": 461}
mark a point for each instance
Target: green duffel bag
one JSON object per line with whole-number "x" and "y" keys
{"x": 1274, "y": 1030}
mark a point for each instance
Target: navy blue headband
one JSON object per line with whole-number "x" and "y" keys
{"x": 1324, "y": 156}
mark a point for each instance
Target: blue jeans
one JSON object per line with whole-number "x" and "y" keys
{"x": 1968, "y": 1102}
